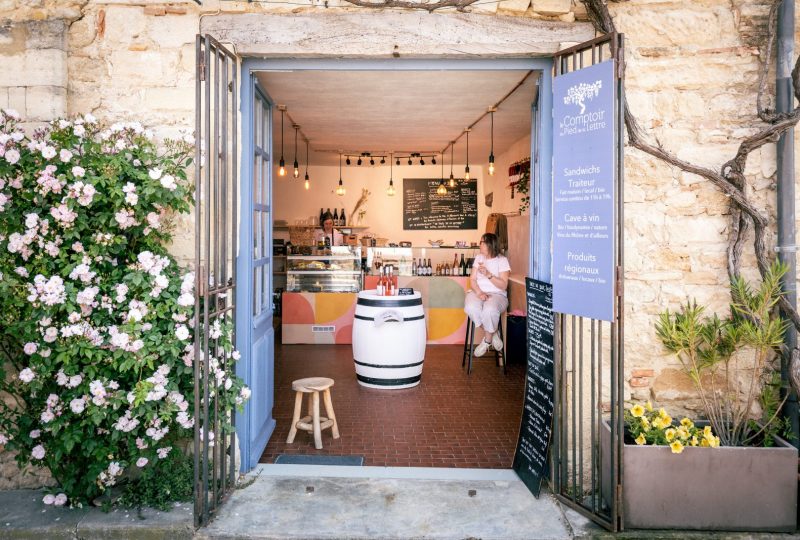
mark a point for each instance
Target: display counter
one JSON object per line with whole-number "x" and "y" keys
{"x": 327, "y": 317}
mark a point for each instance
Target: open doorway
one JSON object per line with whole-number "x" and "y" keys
{"x": 408, "y": 119}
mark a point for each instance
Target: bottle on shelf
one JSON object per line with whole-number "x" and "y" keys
{"x": 414, "y": 267}
{"x": 328, "y": 211}
{"x": 462, "y": 266}
{"x": 379, "y": 286}
{"x": 429, "y": 268}
{"x": 335, "y": 217}
{"x": 454, "y": 267}
{"x": 342, "y": 219}
{"x": 321, "y": 214}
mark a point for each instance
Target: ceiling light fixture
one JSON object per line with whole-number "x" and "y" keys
{"x": 340, "y": 191}
{"x": 390, "y": 190}
{"x": 452, "y": 182}
{"x": 397, "y": 162}
{"x": 347, "y": 161}
{"x": 358, "y": 162}
{"x": 372, "y": 161}
{"x": 282, "y": 163}
{"x": 433, "y": 160}
{"x": 421, "y": 161}
{"x": 296, "y": 171}
{"x": 383, "y": 159}
{"x": 307, "y": 184}
{"x": 466, "y": 169}
{"x": 409, "y": 160}
{"x": 491, "y": 151}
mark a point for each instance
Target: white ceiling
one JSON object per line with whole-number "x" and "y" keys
{"x": 398, "y": 111}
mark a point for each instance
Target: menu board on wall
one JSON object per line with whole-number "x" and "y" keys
{"x": 423, "y": 209}
{"x": 583, "y": 192}
{"x": 530, "y": 459}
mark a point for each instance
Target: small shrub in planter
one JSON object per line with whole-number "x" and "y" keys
{"x": 96, "y": 317}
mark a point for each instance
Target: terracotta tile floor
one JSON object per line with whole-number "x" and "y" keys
{"x": 448, "y": 420}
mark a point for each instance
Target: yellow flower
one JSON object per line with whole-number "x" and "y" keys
{"x": 637, "y": 411}
{"x": 640, "y": 439}
{"x": 683, "y": 433}
{"x": 714, "y": 443}
{"x": 657, "y": 422}
{"x": 676, "y": 447}
{"x": 645, "y": 423}
{"x": 694, "y": 440}
{"x": 687, "y": 423}
{"x": 707, "y": 431}
{"x": 704, "y": 443}
{"x": 649, "y": 406}
{"x": 669, "y": 434}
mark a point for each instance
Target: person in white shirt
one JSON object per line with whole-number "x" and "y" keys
{"x": 334, "y": 237}
{"x": 487, "y": 298}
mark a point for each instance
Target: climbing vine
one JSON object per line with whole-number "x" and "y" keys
{"x": 730, "y": 179}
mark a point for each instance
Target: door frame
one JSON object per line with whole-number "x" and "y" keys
{"x": 540, "y": 259}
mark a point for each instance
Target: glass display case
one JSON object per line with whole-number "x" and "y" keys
{"x": 337, "y": 269}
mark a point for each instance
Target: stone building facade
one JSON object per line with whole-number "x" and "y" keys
{"x": 691, "y": 79}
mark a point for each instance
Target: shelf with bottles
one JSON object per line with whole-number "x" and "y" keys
{"x": 406, "y": 261}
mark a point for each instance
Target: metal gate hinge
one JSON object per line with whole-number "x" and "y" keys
{"x": 201, "y": 71}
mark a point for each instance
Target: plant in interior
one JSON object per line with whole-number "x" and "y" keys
{"x": 730, "y": 360}
{"x": 96, "y": 317}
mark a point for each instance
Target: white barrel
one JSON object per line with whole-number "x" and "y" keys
{"x": 389, "y": 340}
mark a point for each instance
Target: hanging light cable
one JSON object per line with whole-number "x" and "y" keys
{"x": 340, "y": 191}
{"x": 282, "y": 163}
{"x": 307, "y": 182}
{"x": 491, "y": 151}
{"x": 452, "y": 182}
{"x": 390, "y": 190}
{"x": 466, "y": 169}
{"x": 296, "y": 171}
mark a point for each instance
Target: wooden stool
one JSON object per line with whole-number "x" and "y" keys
{"x": 313, "y": 422}
{"x": 469, "y": 341}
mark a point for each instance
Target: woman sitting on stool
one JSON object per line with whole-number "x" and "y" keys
{"x": 488, "y": 298}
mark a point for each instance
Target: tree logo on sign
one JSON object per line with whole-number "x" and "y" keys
{"x": 580, "y": 92}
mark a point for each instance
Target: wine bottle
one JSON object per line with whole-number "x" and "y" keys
{"x": 455, "y": 264}
{"x": 342, "y": 219}
{"x": 462, "y": 267}
{"x": 335, "y": 217}
{"x": 379, "y": 287}
{"x": 321, "y": 214}
{"x": 328, "y": 212}
{"x": 430, "y": 267}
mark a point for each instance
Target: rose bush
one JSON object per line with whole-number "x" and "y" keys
{"x": 96, "y": 317}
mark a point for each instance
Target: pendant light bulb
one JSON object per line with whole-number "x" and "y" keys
{"x": 390, "y": 190}
{"x": 340, "y": 191}
{"x": 466, "y": 169}
{"x": 296, "y": 171}
{"x": 307, "y": 183}
{"x": 452, "y": 178}
{"x": 282, "y": 163}
{"x": 491, "y": 151}
{"x": 441, "y": 190}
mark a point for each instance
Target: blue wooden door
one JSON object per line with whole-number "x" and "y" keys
{"x": 255, "y": 335}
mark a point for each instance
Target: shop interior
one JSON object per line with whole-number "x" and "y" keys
{"x": 388, "y": 152}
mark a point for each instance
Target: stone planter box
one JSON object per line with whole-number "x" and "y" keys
{"x": 723, "y": 489}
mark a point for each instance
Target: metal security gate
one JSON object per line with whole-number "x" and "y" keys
{"x": 589, "y": 357}
{"x": 215, "y": 270}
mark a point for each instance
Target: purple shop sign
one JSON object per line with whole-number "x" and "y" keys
{"x": 583, "y": 192}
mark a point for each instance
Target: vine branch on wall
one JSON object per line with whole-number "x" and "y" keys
{"x": 459, "y": 5}
{"x": 730, "y": 179}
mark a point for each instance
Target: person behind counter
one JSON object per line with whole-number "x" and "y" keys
{"x": 327, "y": 234}
{"x": 487, "y": 298}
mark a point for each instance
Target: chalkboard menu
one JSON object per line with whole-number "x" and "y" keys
{"x": 424, "y": 209}
{"x": 530, "y": 460}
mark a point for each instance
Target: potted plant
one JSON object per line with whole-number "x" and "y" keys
{"x": 733, "y": 471}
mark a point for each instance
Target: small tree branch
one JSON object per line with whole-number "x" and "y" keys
{"x": 460, "y": 5}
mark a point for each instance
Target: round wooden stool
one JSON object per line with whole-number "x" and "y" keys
{"x": 313, "y": 422}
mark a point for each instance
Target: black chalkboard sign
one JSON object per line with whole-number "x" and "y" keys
{"x": 424, "y": 209}
{"x": 530, "y": 460}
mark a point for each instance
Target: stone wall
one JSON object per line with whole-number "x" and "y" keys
{"x": 691, "y": 81}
